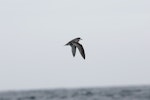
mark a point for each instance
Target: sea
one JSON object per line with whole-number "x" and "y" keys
{"x": 91, "y": 93}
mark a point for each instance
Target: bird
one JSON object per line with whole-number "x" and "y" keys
{"x": 75, "y": 44}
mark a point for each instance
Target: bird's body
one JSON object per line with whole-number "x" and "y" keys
{"x": 74, "y": 40}
{"x": 75, "y": 44}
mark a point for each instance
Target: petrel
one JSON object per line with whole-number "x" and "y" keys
{"x": 75, "y": 43}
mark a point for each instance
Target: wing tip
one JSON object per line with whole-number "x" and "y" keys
{"x": 83, "y": 57}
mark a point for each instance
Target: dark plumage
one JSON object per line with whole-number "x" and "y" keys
{"x": 75, "y": 44}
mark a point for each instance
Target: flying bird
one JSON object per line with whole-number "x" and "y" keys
{"x": 75, "y": 44}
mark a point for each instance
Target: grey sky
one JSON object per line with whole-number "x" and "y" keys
{"x": 115, "y": 33}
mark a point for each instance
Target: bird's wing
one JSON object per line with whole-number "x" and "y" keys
{"x": 80, "y": 47}
{"x": 75, "y": 40}
{"x": 73, "y": 50}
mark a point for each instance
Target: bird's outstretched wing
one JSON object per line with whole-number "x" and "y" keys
{"x": 73, "y": 50}
{"x": 80, "y": 47}
{"x": 74, "y": 40}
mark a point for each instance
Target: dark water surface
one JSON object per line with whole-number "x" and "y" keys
{"x": 110, "y": 93}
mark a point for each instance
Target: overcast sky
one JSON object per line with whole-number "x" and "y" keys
{"x": 115, "y": 33}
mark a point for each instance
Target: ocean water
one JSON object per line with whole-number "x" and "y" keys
{"x": 107, "y": 93}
